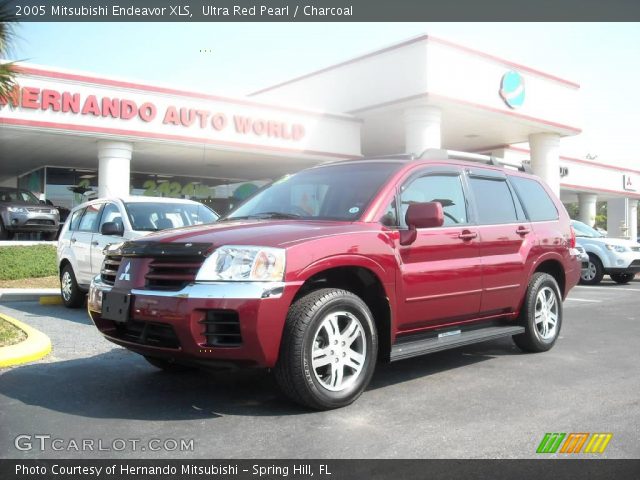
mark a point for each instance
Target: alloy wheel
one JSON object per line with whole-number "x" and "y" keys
{"x": 546, "y": 313}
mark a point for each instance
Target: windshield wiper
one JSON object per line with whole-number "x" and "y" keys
{"x": 262, "y": 215}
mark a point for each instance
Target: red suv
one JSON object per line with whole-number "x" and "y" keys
{"x": 327, "y": 271}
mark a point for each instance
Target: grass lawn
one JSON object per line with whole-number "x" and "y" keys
{"x": 10, "y": 334}
{"x": 39, "y": 282}
{"x": 27, "y": 262}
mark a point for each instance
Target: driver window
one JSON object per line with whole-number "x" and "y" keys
{"x": 110, "y": 214}
{"x": 445, "y": 189}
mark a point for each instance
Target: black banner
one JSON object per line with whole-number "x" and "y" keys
{"x": 592, "y": 469}
{"x": 322, "y": 10}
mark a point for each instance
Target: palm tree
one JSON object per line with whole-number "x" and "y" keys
{"x": 7, "y": 70}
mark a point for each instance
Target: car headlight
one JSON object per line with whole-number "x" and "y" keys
{"x": 243, "y": 263}
{"x": 616, "y": 248}
{"x": 17, "y": 210}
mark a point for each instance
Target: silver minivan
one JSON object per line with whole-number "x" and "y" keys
{"x": 93, "y": 225}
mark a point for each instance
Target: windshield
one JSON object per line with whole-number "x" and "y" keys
{"x": 150, "y": 217}
{"x": 584, "y": 230}
{"x": 334, "y": 192}
{"x": 17, "y": 196}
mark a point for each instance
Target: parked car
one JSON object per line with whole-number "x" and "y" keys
{"x": 584, "y": 259}
{"x": 93, "y": 225}
{"x": 324, "y": 272}
{"x": 22, "y": 212}
{"x": 617, "y": 257}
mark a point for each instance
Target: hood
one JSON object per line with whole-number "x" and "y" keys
{"x": 267, "y": 233}
{"x": 607, "y": 240}
{"x": 25, "y": 205}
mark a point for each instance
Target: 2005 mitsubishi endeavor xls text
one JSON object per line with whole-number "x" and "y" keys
{"x": 325, "y": 272}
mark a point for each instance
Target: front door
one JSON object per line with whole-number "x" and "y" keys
{"x": 440, "y": 273}
{"x": 81, "y": 241}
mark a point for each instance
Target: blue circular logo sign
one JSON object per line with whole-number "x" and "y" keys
{"x": 512, "y": 89}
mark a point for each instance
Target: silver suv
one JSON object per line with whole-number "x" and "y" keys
{"x": 22, "y": 212}
{"x": 94, "y": 225}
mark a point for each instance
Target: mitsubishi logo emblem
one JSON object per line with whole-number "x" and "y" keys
{"x": 125, "y": 275}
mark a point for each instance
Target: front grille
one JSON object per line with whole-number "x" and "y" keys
{"x": 110, "y": 268}
{"x": 172, "y": 273}
{"x": 635, "y": 249}
{"x": 39, "y": 222}
{"x": 222, "y": 328}
{"x": 39, "y": 210}
{"x": 152, "y": 334}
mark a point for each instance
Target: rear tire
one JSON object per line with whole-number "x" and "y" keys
{"x": 168, "y": 365}
{"x": 622, "y": 278}
{"x": 328, "y": 350}
{"x": 72, "y": 296}
{"x": 594, "y": 273}
{"x": 541, "y": 314}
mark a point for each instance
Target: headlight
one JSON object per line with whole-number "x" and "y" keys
{"x": 17, "y": 210}
{"x": 616, "y": 248}
{"x": 243, "y": 263}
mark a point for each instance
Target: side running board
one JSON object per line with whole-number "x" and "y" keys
{"x": 414, "y": 348}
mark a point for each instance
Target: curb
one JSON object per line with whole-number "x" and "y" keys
{"x": 28, "y": 294}
{"x": 36, "y": 346}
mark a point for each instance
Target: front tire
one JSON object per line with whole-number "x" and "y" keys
{"x": 594, "y": 273}
{"x": 622, "y": 278}
{"x": 541, "y": 314}
{"x": 72, "y": 296}
{"x": 328, "y": 350}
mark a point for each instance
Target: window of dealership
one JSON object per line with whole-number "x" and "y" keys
{"x": 65, "y": 133}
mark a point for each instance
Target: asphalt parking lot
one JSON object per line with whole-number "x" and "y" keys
{"x": 483, "y": 401}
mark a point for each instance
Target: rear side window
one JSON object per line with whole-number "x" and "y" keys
{"x": 494, "y": 201}
{"x": 535, "y": 199}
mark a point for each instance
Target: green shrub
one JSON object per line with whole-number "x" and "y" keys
{"x": 27, "y": 262}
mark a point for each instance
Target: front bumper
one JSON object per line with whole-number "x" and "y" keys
{"x": 633, "y": 267}
{"x": 175, "y": 324}
{"x": 31, "y": 222}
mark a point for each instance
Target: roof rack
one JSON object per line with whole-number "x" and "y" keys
{"x": 440, "y": 154}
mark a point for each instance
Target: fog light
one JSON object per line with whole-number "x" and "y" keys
{"x": 619, "y": 261}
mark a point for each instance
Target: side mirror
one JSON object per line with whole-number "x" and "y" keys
{"x": 421, "y": 215}
{"x": 112, "y": 228}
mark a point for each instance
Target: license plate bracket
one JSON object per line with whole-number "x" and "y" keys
{"x": 116, "y": 306}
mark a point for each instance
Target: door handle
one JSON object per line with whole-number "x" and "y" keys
{"x": 73, "y": 240}
{"x": 523, "y": 230}
{"x": 94, "y": 243}
{"x": 467, "y": 235}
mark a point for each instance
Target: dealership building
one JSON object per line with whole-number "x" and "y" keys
{"x": 66, "y": 134}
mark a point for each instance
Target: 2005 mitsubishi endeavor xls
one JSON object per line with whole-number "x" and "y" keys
{"x": 328, "y": 271}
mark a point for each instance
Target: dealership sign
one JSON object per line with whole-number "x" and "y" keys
{"x": 89, "y": 105}
{"x": 629, "y": 183}
{"x": 512, "y": 89}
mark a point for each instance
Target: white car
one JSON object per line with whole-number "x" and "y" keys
{"x": 616, "y": 257}
{"x": 93, "y": 225}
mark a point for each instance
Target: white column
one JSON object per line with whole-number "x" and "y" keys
{"x": 617, "y": 221}
{"x": 545, "y": 158}
{"x": 633, "y": 219}
{"x": 587, "y": 208}
{"x": 114, "y": 168}
{"x": 422, "y": 129}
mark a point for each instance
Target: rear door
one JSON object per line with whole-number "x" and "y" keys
{"x": 81, "y": 242}
{"x": 440, "y": 273}
{"x": 505, "y": 240}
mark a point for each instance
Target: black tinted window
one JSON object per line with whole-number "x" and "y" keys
{"x": 536, "y": 201}
{"x": 445, "y": 189}
{"x": 493, "y": 201}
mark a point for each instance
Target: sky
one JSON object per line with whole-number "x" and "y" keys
{"x": 237, "y": 58}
